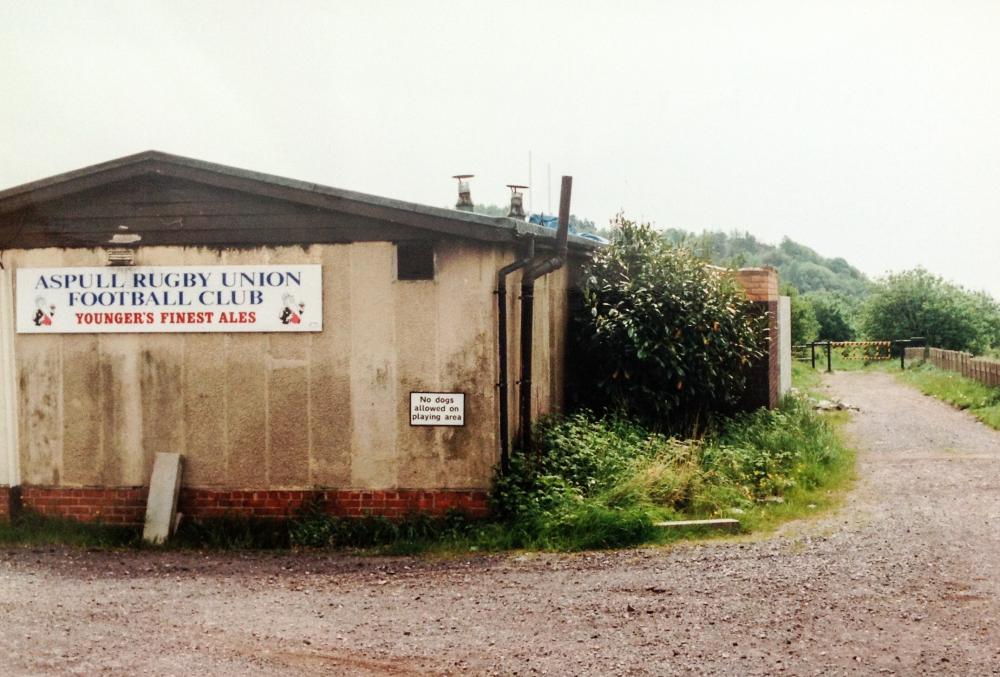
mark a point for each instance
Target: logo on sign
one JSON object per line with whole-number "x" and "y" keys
{"x": 292, "y": 312}
{"x": 44, "y": 312}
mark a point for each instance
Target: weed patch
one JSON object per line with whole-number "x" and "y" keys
{"x": 805, "y": 378}
{"x": 604, "y": 482}
{"x": 30, "y": 528}
{"x": 313, "y": 528}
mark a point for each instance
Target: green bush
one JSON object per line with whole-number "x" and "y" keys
{"x": 805, "y": 326}
{"x": 583, "y": 525}
{"x": 917, "y": 303}
{"x": 835, "y": 314}
{"x": 665, "y": 338}
{"x": 578, "y": 456}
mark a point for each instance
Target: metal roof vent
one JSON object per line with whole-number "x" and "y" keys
{"x": 121, "y": 256}
{"x": 464, "y": 194}
{"x": 516, "y": 201}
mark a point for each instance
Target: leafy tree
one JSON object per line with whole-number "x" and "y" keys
{"x": 918, "y": 303}
{"x": 987, "y": 311}
{"x": 665, "y": 338}
{"x": 809, "y": 276}
{"x": 799, "y": 252}
{"x": 805, "y": 327}
{"x": 834, "y": 313}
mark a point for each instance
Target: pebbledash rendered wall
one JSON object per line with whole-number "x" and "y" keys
{"x": 267, "y": 421}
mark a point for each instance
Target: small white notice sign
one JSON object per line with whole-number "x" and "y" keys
{"x": 437, "y": 409}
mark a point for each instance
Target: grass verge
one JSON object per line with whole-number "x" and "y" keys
{"x": 979, "y": 400}
{"x": 841, "y": 363}
{"x": 806, "y": 379}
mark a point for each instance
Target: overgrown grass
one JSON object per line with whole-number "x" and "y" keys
{"x": 840, "y": 362}
{"x": 604, "y": 483}
{"x": 981, "y": 401}
{"x": 805, "y": 378}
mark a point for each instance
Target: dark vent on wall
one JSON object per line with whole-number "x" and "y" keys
{"x": 415, "y": 261}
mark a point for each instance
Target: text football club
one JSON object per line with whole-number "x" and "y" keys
{"x": 266, "y": 298}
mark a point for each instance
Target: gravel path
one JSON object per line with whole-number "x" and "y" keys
{"x": 902, "y": 580}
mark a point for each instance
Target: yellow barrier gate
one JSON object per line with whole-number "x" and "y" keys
{"x": 866, "y": 351}
{"x": 862, "y": 351}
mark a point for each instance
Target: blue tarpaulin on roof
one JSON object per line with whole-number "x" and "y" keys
{"x": 543, "y": 220}
{"x": 553, "y": 223}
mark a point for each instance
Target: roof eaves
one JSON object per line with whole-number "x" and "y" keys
{"x": 517, "y": 227}
{"x": 153, "y": 161}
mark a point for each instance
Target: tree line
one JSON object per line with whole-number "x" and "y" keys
{"x": 833, "y": 300}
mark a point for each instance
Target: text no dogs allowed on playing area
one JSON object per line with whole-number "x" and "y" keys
{"x": 437, "y": 409}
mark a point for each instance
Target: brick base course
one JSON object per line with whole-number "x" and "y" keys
{"x": 127, "y": 505}
{"x": 119, "y": 505}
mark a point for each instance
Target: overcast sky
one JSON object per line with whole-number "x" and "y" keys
{"x": 868, "y": 130}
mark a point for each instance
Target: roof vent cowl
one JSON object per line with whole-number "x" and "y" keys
{"x": 516, "y": 210}
{"x": 464, "y": 193}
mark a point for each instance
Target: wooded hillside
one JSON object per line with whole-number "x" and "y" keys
{"x": 797, "y": 264}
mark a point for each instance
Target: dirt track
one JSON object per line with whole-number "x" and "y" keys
{"x": 903, "y": 580}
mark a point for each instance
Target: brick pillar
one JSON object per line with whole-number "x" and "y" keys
{"x": 764, "y": 378}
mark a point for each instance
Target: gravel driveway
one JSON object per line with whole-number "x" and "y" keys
{"x": 902, "y": 580}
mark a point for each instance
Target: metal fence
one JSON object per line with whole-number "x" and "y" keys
{"x": 861, "y": 351}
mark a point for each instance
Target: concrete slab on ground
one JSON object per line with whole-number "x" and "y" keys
{"x": 161, "y": 506}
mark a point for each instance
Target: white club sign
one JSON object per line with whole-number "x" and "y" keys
{"x": 169, "y": 299}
